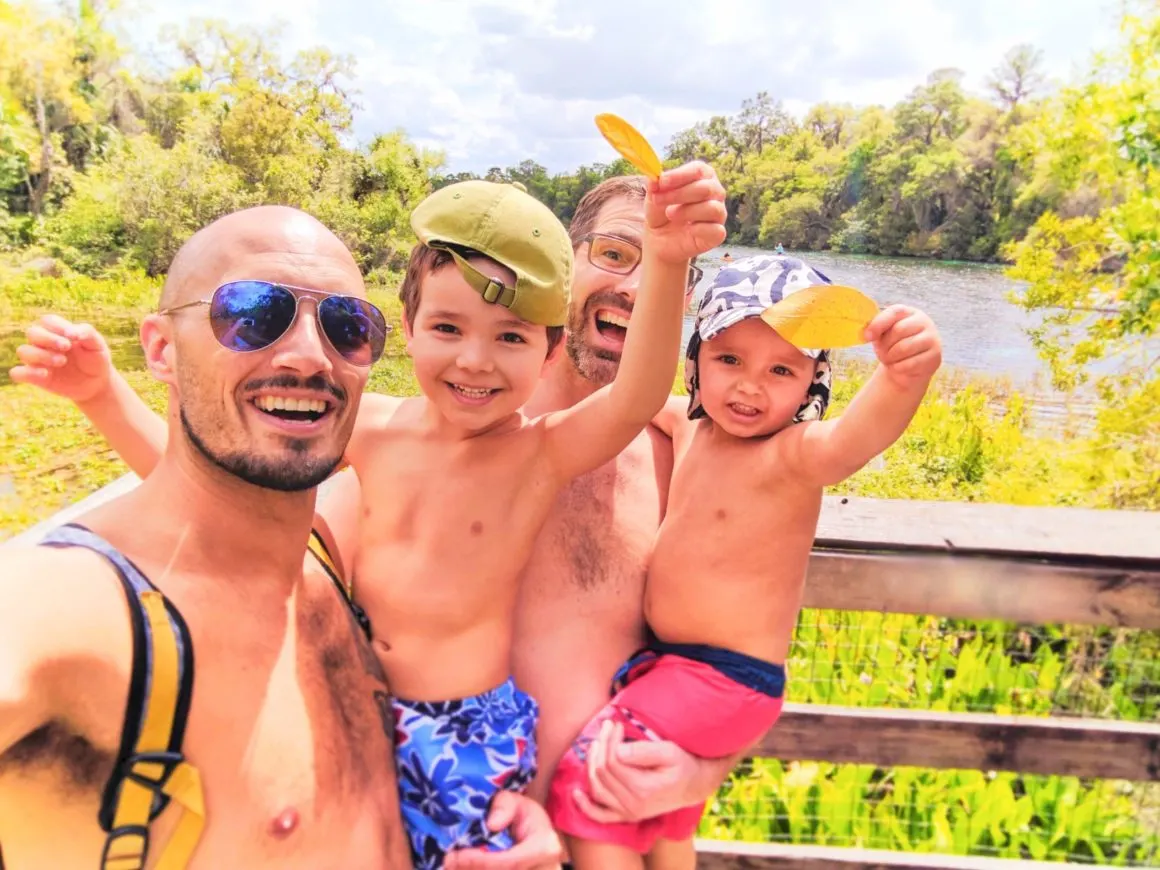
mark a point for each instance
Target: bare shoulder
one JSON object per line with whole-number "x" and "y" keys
{"x": 376, "y": 416}
{"x": 61, "y": 613}
{"x": 785, "y": 456}
{"x": 60, "y": 597}
{"x": 376, "y": 410}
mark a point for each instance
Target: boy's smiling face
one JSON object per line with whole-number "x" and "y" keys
{"x": 752, "y": 380}
{"x": 476, "y": 361}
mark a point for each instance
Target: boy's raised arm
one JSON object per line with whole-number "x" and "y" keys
{"x": 684, "y": 217}
{"x": 909, "y": 352}
{"x": 72, "y": 360}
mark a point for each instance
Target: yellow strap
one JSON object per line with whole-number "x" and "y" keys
{"x": 316, "y": 547}
{"x": 184, "y": 785}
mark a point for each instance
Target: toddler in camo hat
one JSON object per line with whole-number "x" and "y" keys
{"x": 744, "y": 289}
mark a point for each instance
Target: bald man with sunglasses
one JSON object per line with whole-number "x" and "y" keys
{"x": 177, "y": 687}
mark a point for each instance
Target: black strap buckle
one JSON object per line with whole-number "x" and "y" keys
{"x": 168, "y": 761}
{"x": 119, "y": 834}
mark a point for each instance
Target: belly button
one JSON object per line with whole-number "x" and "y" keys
{"x": 284, "y": 824}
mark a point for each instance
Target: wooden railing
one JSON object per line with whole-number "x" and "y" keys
{"x": 1028, "y": 565}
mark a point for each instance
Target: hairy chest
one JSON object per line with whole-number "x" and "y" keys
{"x": 600, "y": 530}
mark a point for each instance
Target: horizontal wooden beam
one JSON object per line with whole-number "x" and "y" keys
{"x": 1095, "y": 748}
{"x": 984, "y": 587}
{"x": 721, "y": 855}
{"x": 850, "y": 522}
{"x": 967, "y": 561}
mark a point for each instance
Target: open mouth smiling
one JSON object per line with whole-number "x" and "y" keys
{"x": 293, "y": 409}
{"x": 612, "y": 324}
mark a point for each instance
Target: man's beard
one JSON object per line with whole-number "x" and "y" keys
{"x": 295, "y": 474}
{"x": 597, "y": 365}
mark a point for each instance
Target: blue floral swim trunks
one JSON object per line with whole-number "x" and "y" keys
{"x": 452, "y": 757}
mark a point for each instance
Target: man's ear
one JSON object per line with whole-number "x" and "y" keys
{"x": 160, "y": 352}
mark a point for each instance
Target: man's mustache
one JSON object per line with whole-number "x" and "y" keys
{"x": 289, "y": 382}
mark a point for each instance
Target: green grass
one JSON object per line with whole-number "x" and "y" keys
{"x": 971, "y": 441}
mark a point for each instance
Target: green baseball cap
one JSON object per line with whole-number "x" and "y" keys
{"x": 507, "y": 224}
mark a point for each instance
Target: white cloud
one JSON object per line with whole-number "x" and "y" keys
{"x": 492, "y": 82}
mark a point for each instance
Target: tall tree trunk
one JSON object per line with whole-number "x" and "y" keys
{"x": 40, "y": 188}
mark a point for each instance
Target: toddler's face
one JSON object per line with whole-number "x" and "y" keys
{"x": 752, "y": 380}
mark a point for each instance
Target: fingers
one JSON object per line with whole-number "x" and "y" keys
{"x": 40, "y": 357}
{"x": 906, "y": 347}
{"x": 710, "y": 212}
{"x": 504, "y": 809}
{"x": 538, "y": 853}
{"x": 31, "y": 375}
{"x": 53, "y": 332}
{"x": 884, "y": 320}
{"x": 909, "y": 345}
{"x": 689, "y": 185}
{"x": 702, "y": 190}
{"x": 537, "y": 845}
{"x": 646, "y": 754}
{"x": 922, "y": 365}
{"x": 43, "y": 335}
{"x": 593, "y": 810}
{"x": 598, "y": 754}
{"x": 55, "y": 323}
{"x": 611, "y": 787}
{"x": 88, "y": 337}
{"x": 682, "y": 175}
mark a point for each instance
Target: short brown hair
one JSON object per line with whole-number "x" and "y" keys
{"x": 426, "y": 260}
{"x": 583, "y": 221}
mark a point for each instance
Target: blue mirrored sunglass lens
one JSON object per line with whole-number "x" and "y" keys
{"x": 250, "y": 315}
{"x": 355, "y": 328}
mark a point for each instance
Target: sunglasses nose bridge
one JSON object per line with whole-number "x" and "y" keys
{"x": 304, "y": 345}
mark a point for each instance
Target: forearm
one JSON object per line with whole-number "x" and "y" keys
{"x": 649, "y": 361}
{"x": 129, "y": 425}
{"x": 874, "y": 420}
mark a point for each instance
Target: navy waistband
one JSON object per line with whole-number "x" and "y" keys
{"x": 753, "y": 673}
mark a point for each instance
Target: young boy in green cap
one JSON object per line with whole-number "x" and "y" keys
{"x": 456, "y": 483}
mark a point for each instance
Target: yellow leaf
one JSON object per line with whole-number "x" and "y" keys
{"x": 822, "y": 316}
{"x": 632, "y": 146}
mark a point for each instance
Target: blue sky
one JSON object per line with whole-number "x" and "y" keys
{"x": 492, "y": 82}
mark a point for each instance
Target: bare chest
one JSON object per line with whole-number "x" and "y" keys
{"x": 299, "y": 717}
{"x": 596, "y": 541}
{"x": 289, "y": 729}
{"x": 417, "y": 493}
{"x": 730, "y": 501}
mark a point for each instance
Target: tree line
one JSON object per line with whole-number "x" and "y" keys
{"x": 109, "y": 163}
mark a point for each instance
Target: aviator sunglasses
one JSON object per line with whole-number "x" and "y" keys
{"x": 251, "y": 315}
